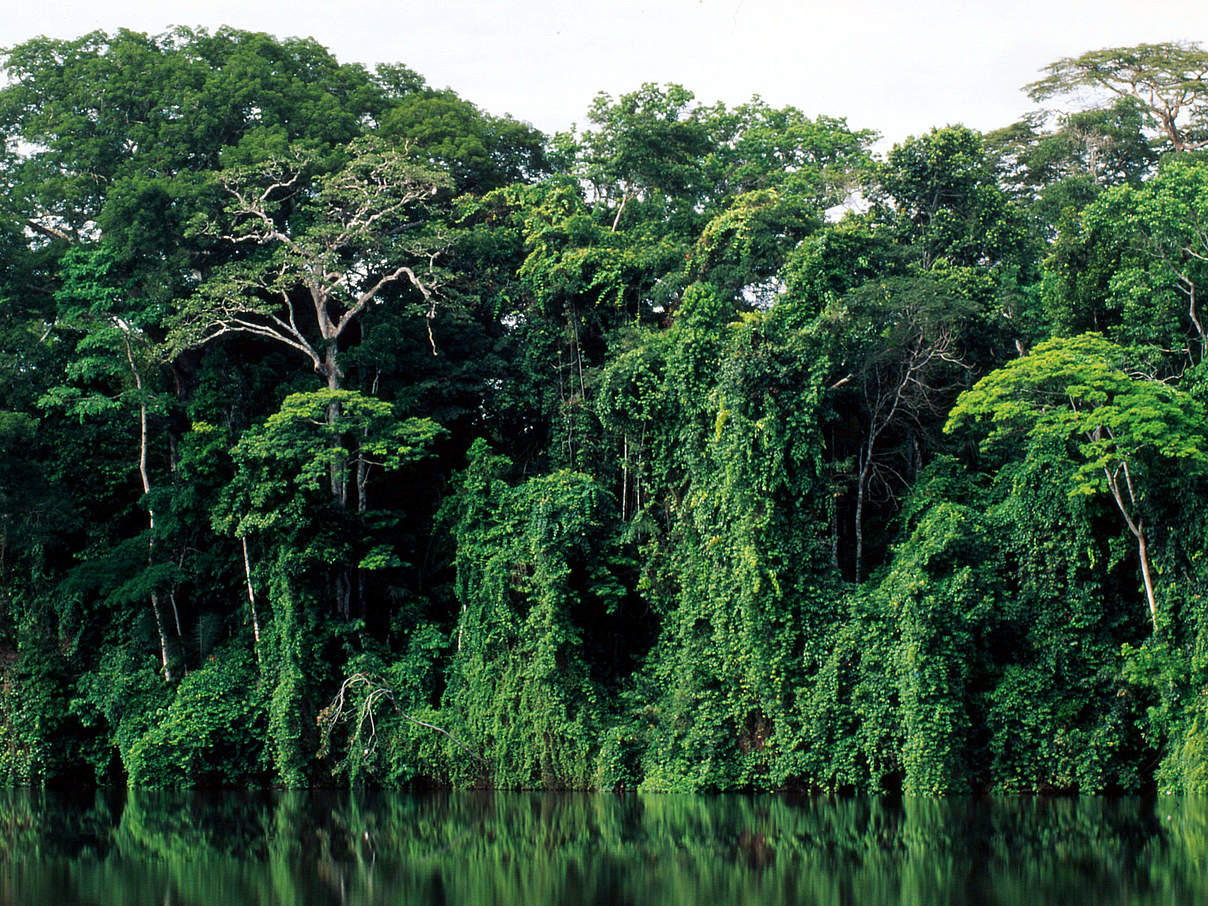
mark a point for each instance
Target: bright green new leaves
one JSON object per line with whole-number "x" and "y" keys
{"x": 1120, "y": 428}
{"x": 647, "y": 147}
{"x": 815, "y": 162}
{"x": 1076, "y": 391}
{"x": 538, "y": 592}
{"x": 742, "y": 249}
{"x": 298, "y": 447}
{"x": 572, "y": 258}
{"x": 655, "y": 154}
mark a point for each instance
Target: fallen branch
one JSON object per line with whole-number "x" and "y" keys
{"x": 335, "y": 714}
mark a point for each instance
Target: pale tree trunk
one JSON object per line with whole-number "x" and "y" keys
{"x": 184, "y": 661}
{"x": 832, "y": 493}
{"x": 163, "y": 635}
{"x": 362, "y": 483}
{"x": 180, "y": 565}
{"x": 341, "y": 581}
{"x": 144, "y": 476}
{"x": 251, "y": 598}
{"x": 884, "y": 405}
{"x": 624, "y": 476}
{"x": 361, "y": 479}
{"x": 1188, "y": 286}
{"x": 1136, "y": 525}
{"x": 1143, "y": 554}
{"x": 338, "y": 468}
{"x": 616, "y": 221}
{"x": 861, "y": 493}
{"x": 146, "y": 489}
{"x": 881, "y": 414}
{"x": 834, "y": 529}
{"x": 574, "y": 321}
{"x": 637, "y": 474}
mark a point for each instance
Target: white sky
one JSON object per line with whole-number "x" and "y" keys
{"x": 898, "y": 66}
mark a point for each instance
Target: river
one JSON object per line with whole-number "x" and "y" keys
{"x": 304, "y": 849}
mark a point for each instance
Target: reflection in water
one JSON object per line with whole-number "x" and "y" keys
{"x": 299, "y": 849}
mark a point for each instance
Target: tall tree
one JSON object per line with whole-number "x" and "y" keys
{"x": 647, "y": 147}
{"x": 898, "y": 347}
{"x": 1169, "y": 81}
{"x": 1119, "y": 429}
{"x": 327, "y": 246}
{"x": 947, "y": 201}
{"x": 112, "y": 370}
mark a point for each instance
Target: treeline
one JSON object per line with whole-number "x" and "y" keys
{"x": 352, "y": 434}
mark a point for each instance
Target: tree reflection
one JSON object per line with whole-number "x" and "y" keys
{"x": 299, "y": 849}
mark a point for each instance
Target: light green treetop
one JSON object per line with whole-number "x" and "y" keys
{"x": 1120, "y": 426}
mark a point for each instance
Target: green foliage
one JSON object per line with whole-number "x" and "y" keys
{"x": 947, "y": 201}
{"x": 1057, "y": 706}
{"x": 739, "y": 470}
{"x": 694, "y": 450}
{"x": 480, "y": 152}
{"x": 1165, "y": 79}
{"x": 287, "y": 704}
{"x": 1073, "y": 391}
{"x": 1151, "y": 292}
{"x": 309, "y": 445}
{"x": 742, "y": 249}
{"x": 534, "y": 574}
{"x": 210, "y": 733}
{"x": 31, "y": 716}
{"x": 939, "y": 597}
{"x": 122, "y": 700}
{"x": 1060, "y": 164}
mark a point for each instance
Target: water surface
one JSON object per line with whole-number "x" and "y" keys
{"x": 307, "y": 849}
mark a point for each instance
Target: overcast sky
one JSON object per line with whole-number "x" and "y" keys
{"x": 898, "y": 66}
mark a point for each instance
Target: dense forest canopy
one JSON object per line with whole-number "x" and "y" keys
{"x": 352, "y": 434}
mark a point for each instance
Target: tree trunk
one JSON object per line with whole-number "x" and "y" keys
{"x": 251, "y": 598}
{"x": 834, "y": 529}
{"x": 342, "y": 592}
{"x": 624, "y": 476}
{"x": 617, "y": 220}
{"x": 362, "y": 485}
{"x": 144, "y": 477}
{"x": 574, "y": 322}
{"x": 1143, "y": 555}
{"x": 338, "y": 468}
{"x": 163, "y": 635}
{"x": 155, "y": 608}
{"x": 637, "y": 474}
{"x": 180, "y": 634}
{"x": 1137, "y": 527}
{"x": 861, "y": 493}
{"x": 342, "y": 583}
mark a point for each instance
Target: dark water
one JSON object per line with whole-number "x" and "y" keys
{"x": 529, "y": 850}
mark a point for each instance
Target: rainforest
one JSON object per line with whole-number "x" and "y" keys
{"x": 352, "y": 435}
